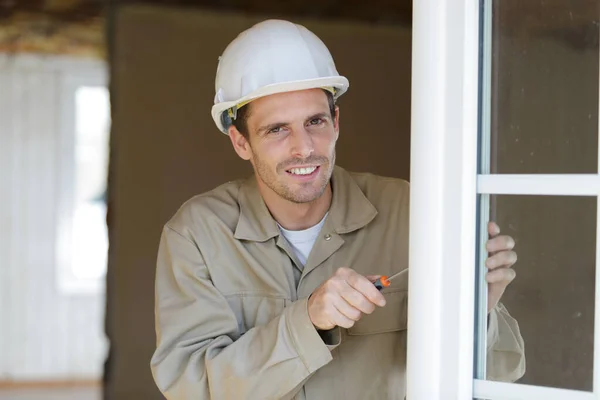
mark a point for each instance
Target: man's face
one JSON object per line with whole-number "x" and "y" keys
{"x": 291, "y": 143}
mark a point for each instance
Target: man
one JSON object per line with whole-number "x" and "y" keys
{"x": 264, "y": 286}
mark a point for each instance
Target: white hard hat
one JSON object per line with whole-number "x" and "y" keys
{"x": 273, "y": 56}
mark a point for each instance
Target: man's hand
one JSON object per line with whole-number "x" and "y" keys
{"x": 499, "y": 263}
{"x": 342, "y": 299}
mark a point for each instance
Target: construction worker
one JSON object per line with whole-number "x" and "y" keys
{"x": 264, "y": 286}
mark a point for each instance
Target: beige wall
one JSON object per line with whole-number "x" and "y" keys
{"x": 166, "y": 147}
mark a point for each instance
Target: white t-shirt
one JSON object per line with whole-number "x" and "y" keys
{"x": 302, "y": 241}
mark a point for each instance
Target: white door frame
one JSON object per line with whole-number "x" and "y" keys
{"x": 443, "y": 197}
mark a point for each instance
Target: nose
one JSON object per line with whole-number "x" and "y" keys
{"x": 302, "y": 143}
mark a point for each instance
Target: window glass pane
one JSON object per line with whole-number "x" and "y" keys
{"x": 544, "y": 87}
{"x": 90, "y": 237}
{"x": 552, "y": 296}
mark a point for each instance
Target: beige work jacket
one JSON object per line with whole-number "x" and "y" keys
{"x": 231, "y": 300}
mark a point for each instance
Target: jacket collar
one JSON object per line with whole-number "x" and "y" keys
{"x": 350, "y": 209}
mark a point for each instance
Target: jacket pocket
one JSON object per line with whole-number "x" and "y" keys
{"x": 392, "y": 317}
{"x": 255, "y": 309}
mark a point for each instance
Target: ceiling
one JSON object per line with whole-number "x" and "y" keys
{"x": 574, "y": 22}
{"x": 533, "y": 13}
{"x": 78, "y": 10}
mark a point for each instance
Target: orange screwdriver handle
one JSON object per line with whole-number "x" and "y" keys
{"x": 382, "y": 282}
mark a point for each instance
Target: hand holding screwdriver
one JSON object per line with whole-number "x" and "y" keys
{"x": 342, "y": 300}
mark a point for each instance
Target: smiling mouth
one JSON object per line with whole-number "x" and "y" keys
{"x": 303, "y": 171}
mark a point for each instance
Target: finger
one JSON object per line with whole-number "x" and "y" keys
{"x": 493, "y": 229}
{"x": 357, "y": 300}
{"x": 503, "y": 259}
{"x": 503, "y": 275}
{"x": 500, "y": 243}
{"x": 346, "y": 315}
{"x": 366, "y": 288}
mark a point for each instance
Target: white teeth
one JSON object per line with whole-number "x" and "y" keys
{"x": 303, "y": 171}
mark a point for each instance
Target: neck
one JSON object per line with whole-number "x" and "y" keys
{"x": 297, "y": 216}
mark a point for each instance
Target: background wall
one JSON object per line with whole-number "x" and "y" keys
{"x": 166, "y": 147}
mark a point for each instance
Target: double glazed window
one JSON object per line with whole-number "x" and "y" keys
{"x": 505, "y": 128}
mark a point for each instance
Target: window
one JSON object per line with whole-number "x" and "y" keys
{"x": 504, "y": 128}
{"x": 90, "y": 236}
{"x": 83, "y": 238}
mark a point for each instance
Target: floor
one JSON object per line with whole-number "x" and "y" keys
{"x": 51, "y": 394}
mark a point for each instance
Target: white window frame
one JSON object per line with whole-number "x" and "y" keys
{"x": 444, "y": 191}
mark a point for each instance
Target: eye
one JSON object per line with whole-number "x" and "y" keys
{"x": 316, "y": 121}
{"x": 277, "y": 129}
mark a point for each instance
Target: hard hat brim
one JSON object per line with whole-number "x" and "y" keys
{"x": 338, "y": 82}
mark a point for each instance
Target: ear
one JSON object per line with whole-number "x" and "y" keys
{"x": 240, "y": 143}
{"x": 336, "y": 122}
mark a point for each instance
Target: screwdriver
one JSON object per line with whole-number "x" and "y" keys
{"x": 384, "y": 281}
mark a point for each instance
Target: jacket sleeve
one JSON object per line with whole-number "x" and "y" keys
{"x": 505, "y": 347}
{"x": 196, "y": 355}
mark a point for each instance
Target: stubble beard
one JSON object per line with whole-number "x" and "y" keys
{"x": 308, "y": 192}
